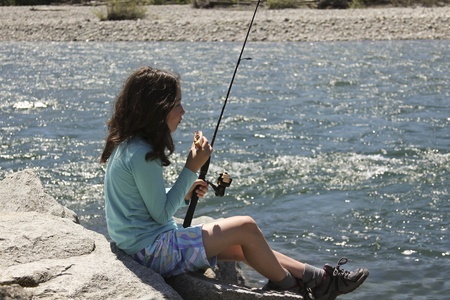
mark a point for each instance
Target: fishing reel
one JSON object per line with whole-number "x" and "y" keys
{"x": 223, "y": 182}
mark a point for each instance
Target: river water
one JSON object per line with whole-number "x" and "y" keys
{"x": 336, "y": 149}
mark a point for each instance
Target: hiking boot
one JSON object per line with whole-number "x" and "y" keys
{"x": 337, "y": 281}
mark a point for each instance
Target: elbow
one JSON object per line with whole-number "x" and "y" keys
{"x": 162, "y": 218}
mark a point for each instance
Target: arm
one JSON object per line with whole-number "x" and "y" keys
{"x": 149, "y": 180}
{"x": 148, "y": 176}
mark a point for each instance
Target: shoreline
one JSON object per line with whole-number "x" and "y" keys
{"x": 185, "y": 23}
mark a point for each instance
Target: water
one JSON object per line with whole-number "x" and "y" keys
{"x": 336, "y": 149}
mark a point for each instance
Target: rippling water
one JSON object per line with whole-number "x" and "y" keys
{"x": 336, "y": 149}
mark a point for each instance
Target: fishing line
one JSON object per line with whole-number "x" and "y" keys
{"x": 205, "y": 167}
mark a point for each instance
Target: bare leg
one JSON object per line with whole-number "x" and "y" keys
{"x": 294, "y": 266}
{"x": 240, "y": 239}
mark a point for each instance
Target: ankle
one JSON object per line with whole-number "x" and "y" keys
{"x": 286, "y": 283}
{"x": 313, "y": 276}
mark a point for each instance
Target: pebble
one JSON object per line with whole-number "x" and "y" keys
{"x": 186, "y": 23}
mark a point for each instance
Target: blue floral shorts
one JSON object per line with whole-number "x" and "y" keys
{"x": 176, "y": 252}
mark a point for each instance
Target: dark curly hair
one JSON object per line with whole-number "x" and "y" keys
{"x": 141, "y": 109}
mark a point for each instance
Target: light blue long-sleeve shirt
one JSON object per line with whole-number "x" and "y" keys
{"x": 137, "y": 206}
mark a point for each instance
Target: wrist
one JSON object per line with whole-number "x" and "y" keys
{"x": 191, "y": 168}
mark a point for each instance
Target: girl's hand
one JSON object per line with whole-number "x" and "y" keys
{"x": 200, "y": 187}
{"x": 200, "y": 152}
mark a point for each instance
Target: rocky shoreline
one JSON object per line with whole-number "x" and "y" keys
{"x": 185, "y": 23}
{"x": 46, "y": 254}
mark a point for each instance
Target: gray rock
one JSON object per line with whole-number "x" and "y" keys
{"x": 23, "y": 191}
{"x": 54, "y": 258}
{"x": 44, "y": 253}
{"x": 205, "y": 288}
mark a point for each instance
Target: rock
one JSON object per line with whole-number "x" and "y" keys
{"x": 44, "y": 253}
{"x": 206, "y": 288}
{"x": 54, "y": 258}
{"x": 23, "y": 191}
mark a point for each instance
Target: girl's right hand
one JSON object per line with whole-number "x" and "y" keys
{"x": 200, "y": 187}
{"x": 200, "y": 152}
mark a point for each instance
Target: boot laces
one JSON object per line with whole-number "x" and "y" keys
{"x": 338, "y": 271}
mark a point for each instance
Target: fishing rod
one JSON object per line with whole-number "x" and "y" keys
{"x": 224, "y": 179}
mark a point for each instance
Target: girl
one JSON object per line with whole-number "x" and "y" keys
{"x": 139, "y": 210}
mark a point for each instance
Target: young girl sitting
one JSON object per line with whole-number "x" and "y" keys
{"x": 139, "y": 209}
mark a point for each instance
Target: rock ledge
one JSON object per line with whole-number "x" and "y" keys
{"x": 45, "y": 253}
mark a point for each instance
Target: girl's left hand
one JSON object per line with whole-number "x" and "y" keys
{"x": 200, "y": 152}
{"x": 200, "y": 187}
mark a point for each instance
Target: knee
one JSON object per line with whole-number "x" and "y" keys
{"x": 248, "y": 224}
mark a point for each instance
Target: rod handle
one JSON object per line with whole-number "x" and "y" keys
{"x": 194, "y": 199}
